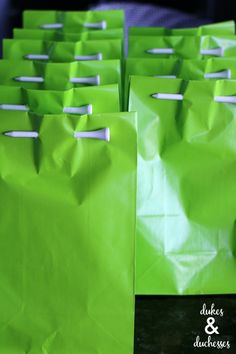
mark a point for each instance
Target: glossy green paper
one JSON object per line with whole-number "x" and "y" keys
{"x": 194, "y": 69}
{"x": 191, "y": 69}
{"x": 67, "y": 264}
{"x": 220, "y": 28}
{"x": 73, "y": 20}
{"x": 186, "y": 190}
{"x": 103, "y": 99}
{"x": 185, "y": 47}
{"x": 57, "y": 35}
{"x": 18, "y": 49}
{"x": 58, "y": 76}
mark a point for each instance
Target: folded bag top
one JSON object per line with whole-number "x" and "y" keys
{"x": 59, "y": 76}
{"x": 28, "y": 49}
{"x": 73, "y": 20}
{"x": 81, "y": 100}
{"x": 220, "y": 28}
{"x": 64, "y": 36}
{"x": 67, "y": 262}
{"x": 187, "y": 69}
{"x": 184, "y": 47}
{"x": 186, "y": 202}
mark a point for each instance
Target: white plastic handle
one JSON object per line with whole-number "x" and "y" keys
{"x": 87, "y": 109}
{"x": 218, "y": 52}
{"x": 97, "y": 56}
{"x": 14, "y": 107}
{"x": 21, "y": 134}
{"x": 102, "y": 134}
{"x": 226, "y": 74}
{"x": 29, "y": 79}
{"x": 165, "y": 76}
{"x": 51, "y": 25}
{"x": 225, "y": 99}
{"x": 98, "y": 25}
{"x": 37, "y": 56}
{"x": 90, "y": 80}
{"x": 160, "y": 51}
{"x": 168, "y": 96}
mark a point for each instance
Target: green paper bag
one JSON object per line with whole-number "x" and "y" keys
{"x": 67, "y": 261}
{"x": 190, "y": 69}
{"x": 186, "y": 190}
{"x": 195, "y": 69}
{"x": 58, "y": 35}
{"x": 19, "y": 49}
{"x": 59, "y": 76}
{"x": 81, "y": 100}
{"x": 220, "y": 28}
{"x": 181, "y": 47}
{"x": 74, "y": 20}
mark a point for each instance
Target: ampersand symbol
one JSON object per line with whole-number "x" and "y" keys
{"x": 210, "y": 324}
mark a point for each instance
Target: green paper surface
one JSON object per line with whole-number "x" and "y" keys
{"x": 67, "y": 264}
{"x": 104, "y": 99}
{"x": 18, "y": 49}
{"x": 58, "y": 35}
{"x": 58, "y": 76}
{"x": 186, "y": 191}
{"x": 189, "y": 69}
{"x": 220, "y": 28}
{"x": 185, "y": 47}
{"x": 73, "y": 20}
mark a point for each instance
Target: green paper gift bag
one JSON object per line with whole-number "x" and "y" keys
{"x": 221, "y": 28}
{"x": 186, "y": 190}
{"x": 59, "y": 35}
{"x": 59, "y": 76}
{"x": 74, "y": 21}
{"x": 18, "y": 49}
{"x": 67, "y": 261}
{"x": 82, "y": 100}
{"x": 185, "y": 47}
{"x": 195, "y": 69}
{"x": 190, "y": 69}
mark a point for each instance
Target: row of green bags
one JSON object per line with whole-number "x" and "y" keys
{"x": 186, "y": 47}
{"x": 195, "y": 69}
{"x": 186, "y": 191}
{"x": 28, "y": 49}
{"x": 221, "y": 28}
{"x": 67, "y": 263}
{"x": 74, "y": 21}
{"x": 59, "y": 35}
{"x": 81, "y": 100}
{"x": 59, "y": 76}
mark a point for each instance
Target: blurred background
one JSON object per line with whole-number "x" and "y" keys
{"x": 169, "y": 13}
